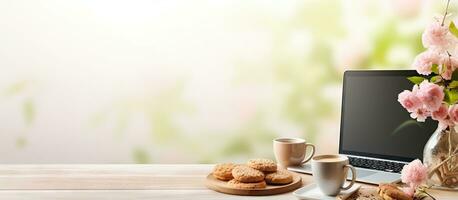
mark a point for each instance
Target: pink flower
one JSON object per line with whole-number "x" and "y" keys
{"x": 414, "y": 173}
{"x": 453, "y": 113}
{"x": 409, "y": 100}
{"x": 431, "y": 95}
{"x": 415, "y": 89}
{"x": 420, "y": 114}
{"x": 437, "y": 37}
{"x": 442, "y": 116}
{"x": 449, "y": 64}
{"x": 424, "y": 61}
{"x": 447, "y": 72}
{"x": 441, "y": 113}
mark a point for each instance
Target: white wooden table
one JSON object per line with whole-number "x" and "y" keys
{"x": 166, "y": 182}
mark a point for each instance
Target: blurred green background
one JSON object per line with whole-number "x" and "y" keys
{"x": 188, "y": 81}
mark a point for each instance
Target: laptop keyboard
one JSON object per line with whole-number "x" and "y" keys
{"x": 376, "y": 164}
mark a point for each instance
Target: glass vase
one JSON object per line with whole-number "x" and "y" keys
{"x": 440, "y": 155}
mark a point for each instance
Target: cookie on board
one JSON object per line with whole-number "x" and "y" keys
{"x": 280, "y": 177}
{"x": 223, "y": 171}
{"x": 264, "y": 165}
{"x": 247, "y": 174}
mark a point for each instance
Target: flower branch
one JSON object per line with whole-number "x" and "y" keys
{"x": 434, "y": 95}
{"x": 446, "y": 12}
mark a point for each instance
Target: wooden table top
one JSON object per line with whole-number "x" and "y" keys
{"x": 121, "y": 182}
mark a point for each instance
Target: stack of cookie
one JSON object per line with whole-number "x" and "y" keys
{"x": 255, "y": 174}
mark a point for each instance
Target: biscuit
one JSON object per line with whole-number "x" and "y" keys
{"x": 280, "y": 177}
{"x": 390, "y": 191}
{"x": 246, "y": 174}
{"x": 223, "y": 171}
{"x": 264, "y": 165}
{"x": 239, "y": 185}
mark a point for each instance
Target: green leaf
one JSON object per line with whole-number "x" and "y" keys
{"x": 435, "y": 79}
{"x": 451, "y": 96}
{"x": 21, "y": 142}
{"x": 416, "y": 79}
{"x": 453, "y": 84}
{"x": 16, "y": 88}
{"x": 435, "y": 68}
{"x": 28, "y": 111}
{"x": 455, "y": 75}
{"x": 141, "y": 156}
{"x": 453, "y": 29}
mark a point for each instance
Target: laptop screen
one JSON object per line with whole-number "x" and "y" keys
{"x": 373, "y": 122}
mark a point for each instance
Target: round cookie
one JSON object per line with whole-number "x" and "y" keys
{"x": 223, "y": 171}
{"x": 262, "y": 164}
{"x": 280, "y": 177}
{"x": 246, "y": 174}
{"x": 239, "y": 185}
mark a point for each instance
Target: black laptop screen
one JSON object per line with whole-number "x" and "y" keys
{"x": 374, "y": 123}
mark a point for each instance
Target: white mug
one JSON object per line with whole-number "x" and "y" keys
{"x": 292, "y": 151}
{"x": 330, "y": 173}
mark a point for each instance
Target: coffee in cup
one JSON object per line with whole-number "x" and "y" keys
{"x": 292, "y": 151}
{"x": 330, "y": 173}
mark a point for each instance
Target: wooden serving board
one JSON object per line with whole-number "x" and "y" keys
{"x": 221, "y": 186}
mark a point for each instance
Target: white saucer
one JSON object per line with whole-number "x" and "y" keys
{"x": 312, "y": 192}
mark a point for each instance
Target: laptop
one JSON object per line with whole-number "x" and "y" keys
{"x": 376, "y": 132}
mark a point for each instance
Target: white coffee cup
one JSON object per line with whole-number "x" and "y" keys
{"x": 330, "y": 173}
{"x": 292, "y": 151}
